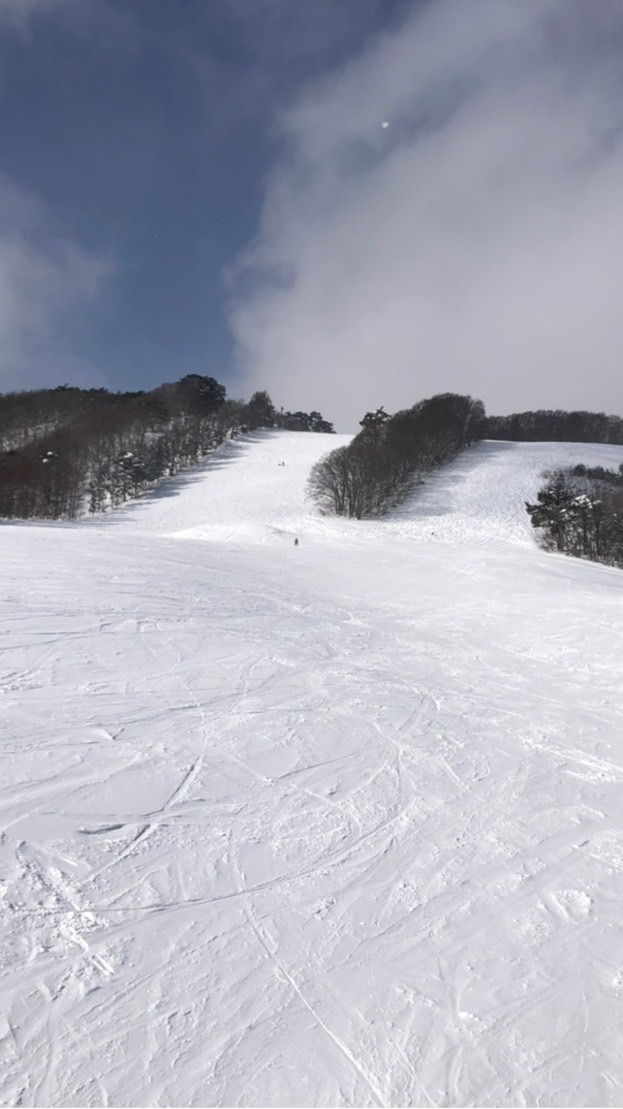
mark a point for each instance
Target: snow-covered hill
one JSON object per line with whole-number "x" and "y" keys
{"x": 335, "y": 824}
{"x": 251, "y": 490}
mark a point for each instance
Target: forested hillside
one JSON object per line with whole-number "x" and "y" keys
{"x": 579, "y": 511}
{"x": 378, "y": 468}
{"x": 67, "y": 451}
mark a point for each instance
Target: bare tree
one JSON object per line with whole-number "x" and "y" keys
{"x": 382, "y": 462}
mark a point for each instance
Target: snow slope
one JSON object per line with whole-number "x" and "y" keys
{"x": 339, "y": 824}
{"x": 251, "y": 490}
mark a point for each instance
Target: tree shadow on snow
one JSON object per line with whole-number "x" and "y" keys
{"x": 229, "y": 452}
{"x": 437, "y": 494}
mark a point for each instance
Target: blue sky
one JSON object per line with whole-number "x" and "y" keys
{"x": 347, "y": 202}
{"x": 141, "y": 130}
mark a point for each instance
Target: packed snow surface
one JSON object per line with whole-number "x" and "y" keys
{"x": 334, "y": 824}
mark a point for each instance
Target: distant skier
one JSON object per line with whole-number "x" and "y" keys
{"x": 296, "y": 541}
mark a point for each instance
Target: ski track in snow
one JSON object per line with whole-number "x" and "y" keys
{"x": 339, "y": 824}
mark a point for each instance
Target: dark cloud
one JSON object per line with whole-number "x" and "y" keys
{"x": 142, "y": 128}
{"x": 46, "y": 279}
{"x": 249, "y": 58}
{"x": 114, "y": 24}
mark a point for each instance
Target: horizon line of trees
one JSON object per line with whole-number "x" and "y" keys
{"x": 579, "y": 512}
{"x": 554, "y": 425}
{"x": 380, "y": 465}
{"x": 68, "y": 451}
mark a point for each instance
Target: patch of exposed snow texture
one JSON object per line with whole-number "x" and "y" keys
{"x": 336, "y": 824}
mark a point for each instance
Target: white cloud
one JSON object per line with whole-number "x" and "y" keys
{"x": 475, "y": 245}
{"x": 46, "y": 281}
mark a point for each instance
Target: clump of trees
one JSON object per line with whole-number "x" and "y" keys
{"x": 261, "y": 412}
{"x": 67, "y": 451}
{"x": 304, "y": 421}
{"x": 556, "y": 426}
{"x": 579, "y": 511}
{"x": 379, "y": 467}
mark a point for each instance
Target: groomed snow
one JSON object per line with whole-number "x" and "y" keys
{"x": 251, "y": 490}
{"x": 336, "y": 824}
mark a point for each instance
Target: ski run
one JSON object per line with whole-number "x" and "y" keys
{"x": 335, "y": 824}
